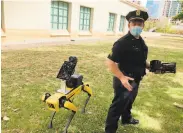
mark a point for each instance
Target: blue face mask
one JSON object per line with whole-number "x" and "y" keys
{"x": 136, "y": 30}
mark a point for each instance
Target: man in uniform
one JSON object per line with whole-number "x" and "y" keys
{"x": 127, "y": 61}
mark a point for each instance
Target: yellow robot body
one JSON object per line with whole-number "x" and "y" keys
{"x": 73, "y": 92}
{"x": 53, "y": 101}
{"x": 70, "y": 106}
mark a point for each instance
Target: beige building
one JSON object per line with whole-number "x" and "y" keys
{"x": 136, "y": 1}
{"x": 31, "y": 19}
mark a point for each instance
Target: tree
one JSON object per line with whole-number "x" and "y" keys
{"x": 178, "y": 16}
{"x": 181, "y": 4}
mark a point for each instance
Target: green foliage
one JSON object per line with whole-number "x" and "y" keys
{"x": 178, "y": 16}
{"x": 149, "y": 25}
{"x": 161, "y": 28}
{"x": 170, "y": 31}
{"x": 166, "y": 29}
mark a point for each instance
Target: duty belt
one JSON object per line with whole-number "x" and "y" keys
{"x": 133, "y": 75}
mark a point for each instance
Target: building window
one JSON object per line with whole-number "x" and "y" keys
{"x": 122, "y": 22}
{"x": 85, "y": 17}
{"x": 59, "y": 15}
{"x": 111, "y": 22}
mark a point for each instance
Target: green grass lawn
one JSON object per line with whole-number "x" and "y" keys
{"x": 27, "y": 74}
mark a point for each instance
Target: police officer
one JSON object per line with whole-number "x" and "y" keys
{"x": 127, "y": 61}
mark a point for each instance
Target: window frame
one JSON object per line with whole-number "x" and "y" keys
{"x": 111, "y": 23}
{"x": 59, "y": 10}
{"x": 85, "y": 18}
{"x": 122, "y": 23}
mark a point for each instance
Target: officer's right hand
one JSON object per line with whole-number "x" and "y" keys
{"x": 125, "y": 81}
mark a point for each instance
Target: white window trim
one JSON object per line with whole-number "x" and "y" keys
{"x": 85, "y": 33}
{"x": 59, "y": 33}
{"x": 110, "y": 33}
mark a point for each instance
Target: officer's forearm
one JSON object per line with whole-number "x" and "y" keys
{"x": 114, "y": 69}
{"x": 147, "y": 65}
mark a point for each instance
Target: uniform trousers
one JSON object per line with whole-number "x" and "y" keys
{"x": 121, "y": 105}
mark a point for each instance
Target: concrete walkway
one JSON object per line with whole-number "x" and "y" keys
{"x": 30, "y": 43}
{"x": 52, "y": 42}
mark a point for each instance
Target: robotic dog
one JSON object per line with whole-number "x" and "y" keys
{"x": 71, "y": 85}
{"x": 160, "y": 68}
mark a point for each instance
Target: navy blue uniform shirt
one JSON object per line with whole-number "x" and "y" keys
{"x": 130, "y": 54}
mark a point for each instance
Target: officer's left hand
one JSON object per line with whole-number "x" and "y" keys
{"x": 147, "y": 71}
{"x": 125, "y": 81}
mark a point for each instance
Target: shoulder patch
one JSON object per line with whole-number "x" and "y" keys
{"x": 110, "y": 53}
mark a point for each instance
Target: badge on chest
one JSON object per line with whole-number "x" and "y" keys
{"x": 135, "y": 48}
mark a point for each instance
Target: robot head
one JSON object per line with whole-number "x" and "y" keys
{"x": 67, "y": 69}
